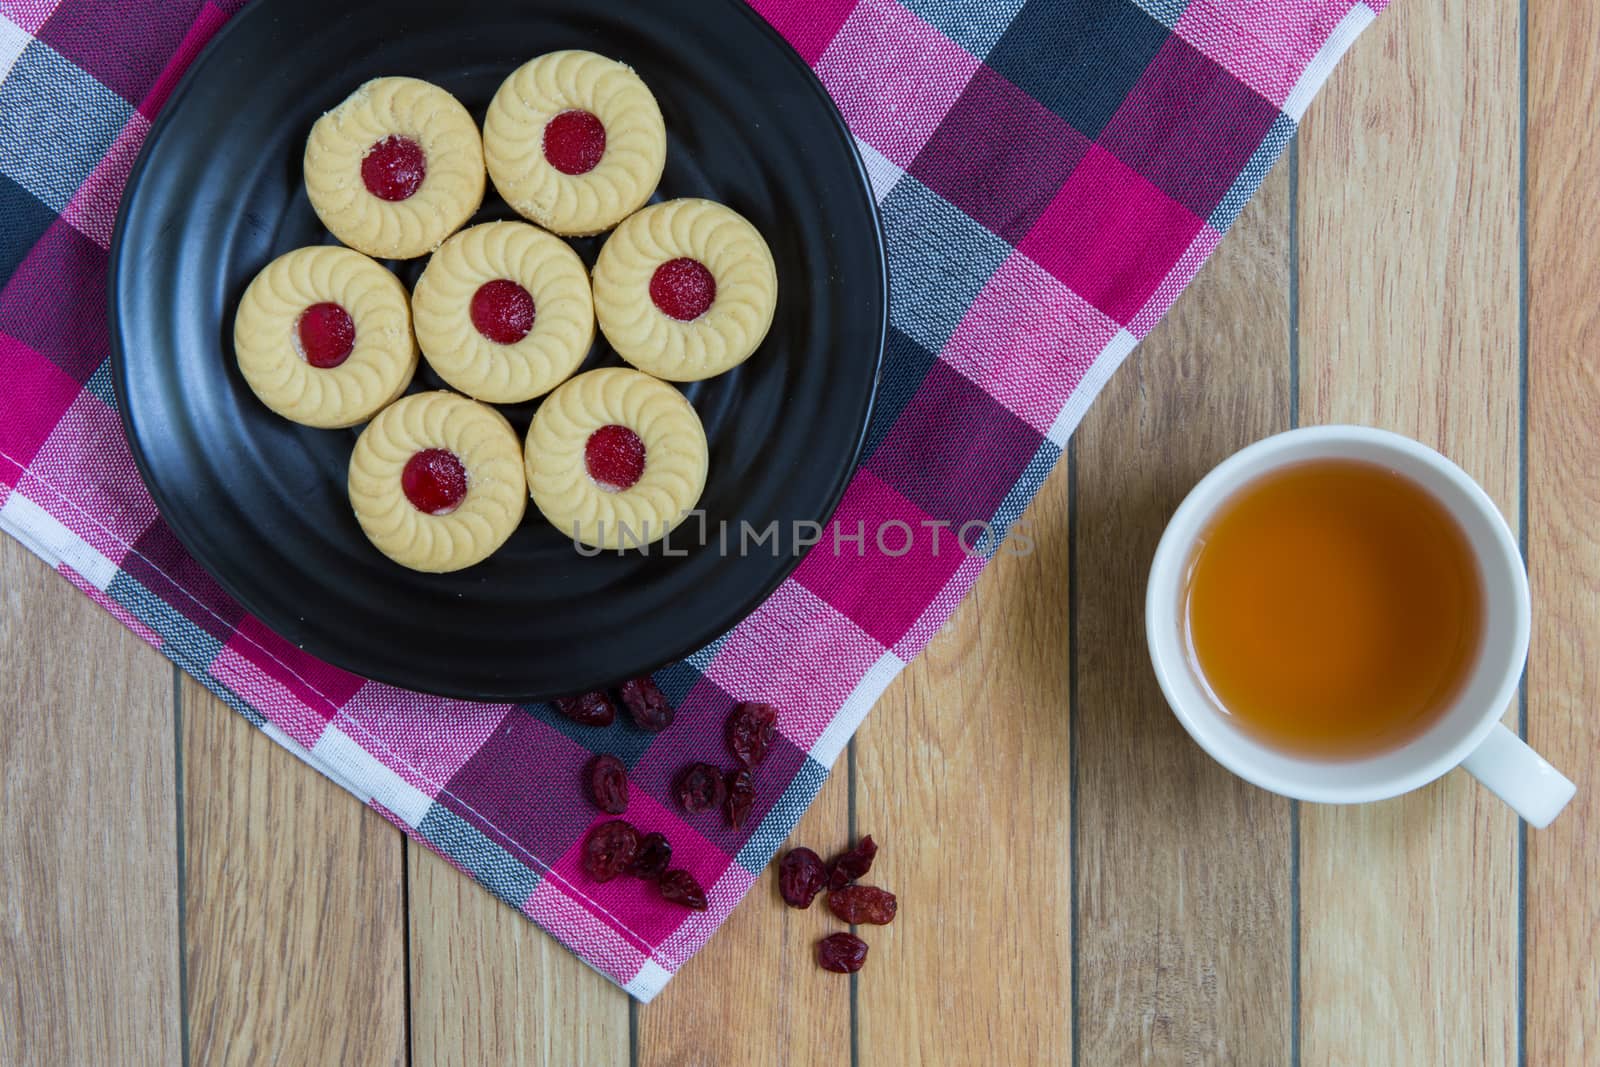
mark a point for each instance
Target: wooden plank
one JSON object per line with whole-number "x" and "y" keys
{"x": 295, "y": 912}
{"x": 1409, "y": 320}
{"x": 1563, "y": 872}
{"x": 488, "y": 987}
{"x": 1183, "y": 870}
{"x": 755, "y": 996}
{"x": 961, "y": 776}
{"x": 88, "y": 839}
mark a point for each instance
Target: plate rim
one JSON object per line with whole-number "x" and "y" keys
{"x": 724, "y": 621}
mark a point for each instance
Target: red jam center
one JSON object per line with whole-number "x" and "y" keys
{"x": 574, "y": 141}
{"x": 434, "y": 481}
{"x": 615, "y": 457}
{"x": 683, "y": 288}
{"x": 327, "y": 335}
{"x": 393, "y": 168}
{"x": 502, "y": 311}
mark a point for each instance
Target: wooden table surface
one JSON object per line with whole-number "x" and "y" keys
{"x": 1079, "y": 882}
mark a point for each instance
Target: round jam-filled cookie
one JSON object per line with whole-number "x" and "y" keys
{"x": 615, "y": 458}
{"x": 574, "y": 141}
{"x": 436, "y": 481}
{"x": 685, "y": 289}
{"x": 504, "y": 312}
{"x": 396, "y": 168}
{"x": 323, "y": 336}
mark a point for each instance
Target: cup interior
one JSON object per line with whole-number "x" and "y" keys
{"x": 1491, "y": 680}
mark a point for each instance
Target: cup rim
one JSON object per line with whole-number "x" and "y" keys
{"x": 1214, "y": 736}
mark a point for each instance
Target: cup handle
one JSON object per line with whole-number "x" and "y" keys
{"x": 1520, "y": 776}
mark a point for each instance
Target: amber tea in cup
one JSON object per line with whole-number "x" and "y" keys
{"x": 1333, "y": 608}
{"x": 1340, "y": 614}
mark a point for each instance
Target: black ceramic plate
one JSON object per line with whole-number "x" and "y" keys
{"x": 217, "y": 192}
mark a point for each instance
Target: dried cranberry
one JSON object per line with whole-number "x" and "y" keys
{"x": 681, "y": 888}
{"x": 609, "y": 849}
{"x": 646, "y": 704}
{"x": 751, "y": 729}
{"x": 653, "y": 858}
{"x": 590, "y": 709}
{"x": 863, "y": 904}
{"x": 853, "y": 865}
{"x": 741, "y": 797}
{"x": 700, "y": 788}
{"x": 801, "y": 877}
{"x": 608, "y": 784}
{"x": 841, "y": 953}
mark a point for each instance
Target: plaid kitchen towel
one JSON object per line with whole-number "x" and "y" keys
{"x": 1051, "y": 174}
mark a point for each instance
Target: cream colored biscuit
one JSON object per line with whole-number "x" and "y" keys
{"x": 266, "y": 339}
{"x": 675, "y": 456}
{"x": 722, "y": 337}
{"x": 496, "y": 493}
{"x": 563, "y": 312}
{"x": 514, "y": 142}
{"x": 451, "y": 188}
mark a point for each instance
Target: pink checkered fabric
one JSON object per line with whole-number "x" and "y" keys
{"x": 1051, "y": 174}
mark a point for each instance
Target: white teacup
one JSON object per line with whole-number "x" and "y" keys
{"x": 1468, "y": 733}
